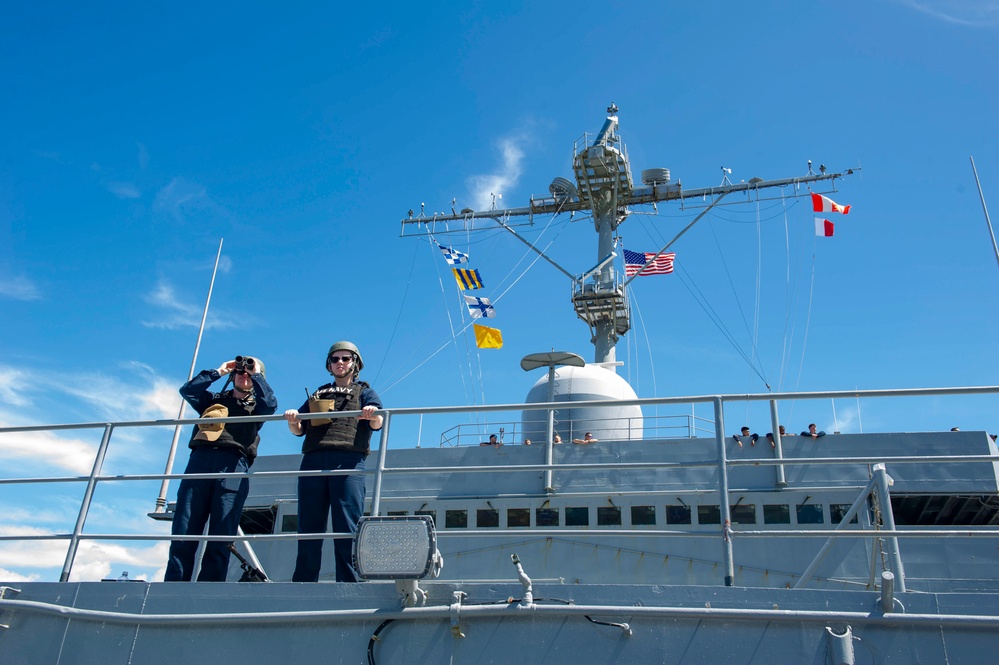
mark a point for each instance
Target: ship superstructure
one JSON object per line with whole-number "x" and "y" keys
{"x": 668, "y": 541}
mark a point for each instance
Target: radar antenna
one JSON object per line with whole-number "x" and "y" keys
{"x": 605, "y": 188}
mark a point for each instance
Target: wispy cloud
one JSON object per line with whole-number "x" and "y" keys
{"x": 181, "y": 313}
{"x": 21, "y": 450}
{"x": 124, "y": 190}
{"x": 972, "y": 13}
{"x": 483, "y": 187}
{"x": 19, "y": 288}
{"x": 10, "y": 380}
{"x": 108, "y": 398}
{"x": 114, "y": 400}
{"x": 181, "y": 196}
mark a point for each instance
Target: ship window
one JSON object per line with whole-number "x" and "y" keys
{"x": 743, "y": 514}
{"x": 577, "y": 516}
{"x": 518, "y": 517}
{"x": 486, "y": 517}
{"x": 776, "y": 513}
{"x": 258, "y": 520}
{"x": 643, "y": 515}
{"x": 608, "y": 516}
{"x": 455, "y": 519}
{"x": 837, "y": 511}
{"x": 289, "y": 524}
{"x": 677, "y": 514}
{"x": 546, "y": 517}
{"x": 397, "y": 513}
{"x": 431, "y": 513}
{"x": 809, "y": 513}
{"x": 708, "y": 515}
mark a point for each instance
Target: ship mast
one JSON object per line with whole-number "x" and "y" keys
{"x": 605, "y": 188}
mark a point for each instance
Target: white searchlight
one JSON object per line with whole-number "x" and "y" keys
{"x": 400, "y": 547}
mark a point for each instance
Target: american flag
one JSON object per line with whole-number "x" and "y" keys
{"x": 634, "y": 261}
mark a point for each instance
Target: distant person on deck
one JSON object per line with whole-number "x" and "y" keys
{"x": 754, "y": 437}
{"x": 217, "y": 448}
{"x": 587, "y": 438}
{"x": 527, "y": 442}
{"x": 770, "y": 435}
{"x": 812, "y": 433}
{"x": 557, "y": 439}
{"x": 334, "y": 444}
{"x": 493, "y": 441}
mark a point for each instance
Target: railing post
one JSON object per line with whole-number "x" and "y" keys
{"x": 778, "y": 448}
{"x": 550, "y": 434}
{"x": 376, "y": 498}
{"x": 726, "y": 511}
{"x": 88, "y": 495}
{"x": 860, "y": 501}
{"x": 888, "y": 518}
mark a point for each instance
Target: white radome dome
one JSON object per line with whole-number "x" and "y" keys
{"x": 579, "y": 384}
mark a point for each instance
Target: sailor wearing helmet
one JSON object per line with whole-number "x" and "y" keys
{"x": 333, "y": 443}
{"x": 218, "y": 448}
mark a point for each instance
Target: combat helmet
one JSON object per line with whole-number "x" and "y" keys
{"x": 346, "y": 346}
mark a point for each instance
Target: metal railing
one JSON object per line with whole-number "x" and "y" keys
{"x": 510, "y": 432}
{"x": 382, "y": 469}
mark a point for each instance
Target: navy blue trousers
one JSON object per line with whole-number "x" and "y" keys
{"x": 217, "y": 502}
{"x": 318, "y": 498}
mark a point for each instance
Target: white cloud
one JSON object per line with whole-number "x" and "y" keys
{"x": 184, "y": 314}
{"x": 124, "y": 190}
{"x": 11, "y": 576}
{"x": 66, "y": 452}
{"x": 95, "y": 559}
{"x": 119, "y": 506}
{"x": 180, "y": 196}
{"x": 19, "y": 288}
{"x": 141, "y": 395}
{"x": 98, "y": 559}
{"x": 483, "y": 187}
{"x": 972, "y": 13}
{"x": 10, "y": 377}
{"x": 119, "y": 400}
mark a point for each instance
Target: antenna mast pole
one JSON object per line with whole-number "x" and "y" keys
{"x": 161, "y": 500}
{"x": 988, "y": 221}
{"x": 605, "y": 189}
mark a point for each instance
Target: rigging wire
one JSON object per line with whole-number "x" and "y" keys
{"x": 702, "y": 301}
{"x": 788, "y": 320}
{"x": 755, "y": 337}
{"x": 781, "y": 209}
{"x": 756, "y": 367}
{"x": 466, "y": 326}
{"x": 704, "y": 304}
{"x": 402, "y": 306}
{"x": 471, "y": 351}
{"x": 648, "y": 345}
{"x": 808, "y": 319}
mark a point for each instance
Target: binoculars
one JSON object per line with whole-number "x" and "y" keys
{"x": 245, "y": 364}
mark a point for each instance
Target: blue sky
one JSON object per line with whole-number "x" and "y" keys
{"x": 135, "y": 136}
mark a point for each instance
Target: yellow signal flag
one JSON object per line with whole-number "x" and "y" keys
{"x": 467, "y": 278}
{"x": 487, "y": 338}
